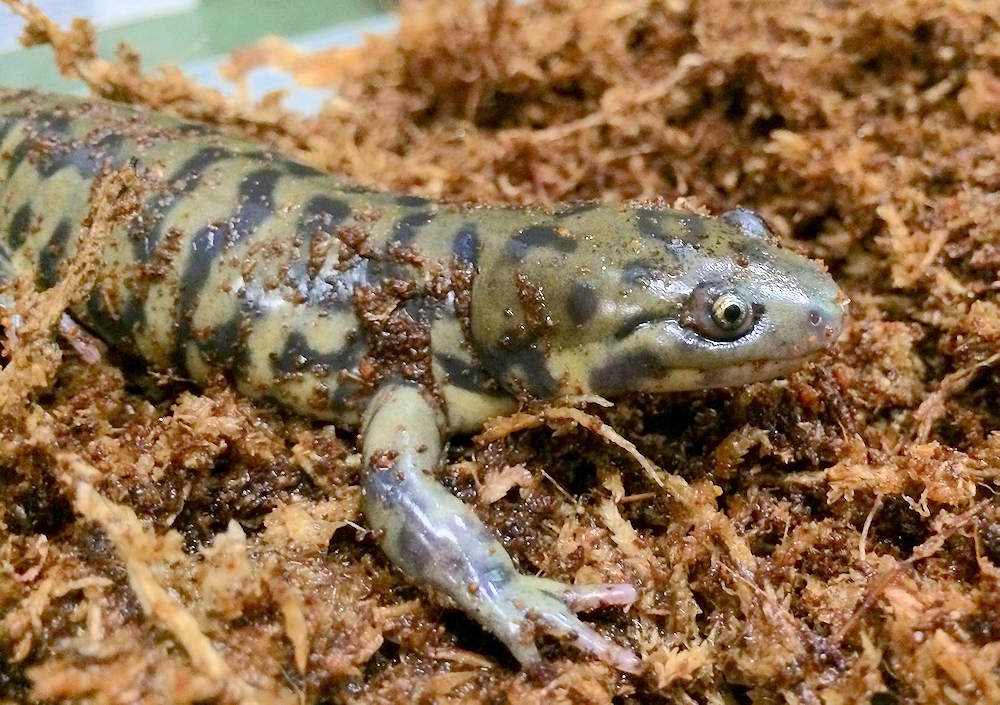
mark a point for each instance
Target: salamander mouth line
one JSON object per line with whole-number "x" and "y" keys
{"x": 784, "y": 362}
{"x": 790, "y": 362}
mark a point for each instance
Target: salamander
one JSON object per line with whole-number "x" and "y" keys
{"x": 404, "y": 318}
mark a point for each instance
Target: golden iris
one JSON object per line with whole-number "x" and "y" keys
{"x": 730, "y": 312}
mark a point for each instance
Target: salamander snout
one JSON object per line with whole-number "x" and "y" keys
{"x": 825, "y": 321}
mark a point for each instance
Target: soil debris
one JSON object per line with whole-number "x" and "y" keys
{"x": 831, "y": 538}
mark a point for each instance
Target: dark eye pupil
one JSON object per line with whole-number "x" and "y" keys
{"x": 727, "y": 316}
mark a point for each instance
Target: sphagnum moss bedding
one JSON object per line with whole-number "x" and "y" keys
{"x": 832, "y": 538}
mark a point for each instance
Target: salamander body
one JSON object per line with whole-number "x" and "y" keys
{"x": 403, "y": 317}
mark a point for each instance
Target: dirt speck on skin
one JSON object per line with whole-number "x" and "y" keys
{"x": 832, "y": 538}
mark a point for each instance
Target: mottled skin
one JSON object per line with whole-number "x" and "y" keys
{"x": 409, "y": 319}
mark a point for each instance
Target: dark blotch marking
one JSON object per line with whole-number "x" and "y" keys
{"x": 349, "y": 187}
{"x": 197, "y": 129}
{"x": 361, "y": 272}
{"x": 535, "y": 373}
{"x": 257, "y": 202}
{"x": 546, "y": 236}
{"x": 582, "y": 304}
{"x": 626, "y": 371}
{"x": 294, "y": 168}
{"x": 183, "y": 181}
{"x": 190, "y": 172}
{"x": 333, "y": 291}
{"x": 256, "y": 199}
{"x": 406, "y": 227}
{"x": 7, "y": 123}
{"x": 629, "y": 325}
{"x": 412, "y": 201}
{"x": 298, "y": 356}
{"x": 639, "y": 271}
{"x": 48, "y": 128}
{"x": 321, "y": 214}
{"x": 465, "y": 246}
{"x": 264, "y": 157}
{"x": 17, "y": 156}
{"x": 133, "y": 313}
{"x": 648, "y": 223}
{"x": 52, "y": 254}
{"x": 422, "y": 309}
{"x": 462, "y": 374}
{"x": 19, "y": 225}
{"x": 88, "y": 159}
{"x": 746, "y": 249}
{"x": 56, "y": 124}
{"x": 107, "y": 324}
{"x": 222, "y": 346}
{"x": 346, "y": 396}
{"x": 524, "y": 362}
{"x": 693, "y": 226}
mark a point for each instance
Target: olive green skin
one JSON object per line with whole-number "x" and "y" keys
{"x": 410, "y": 318}
{"x": 247, "y": 261}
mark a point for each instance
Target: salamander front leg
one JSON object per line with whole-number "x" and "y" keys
{"x": 437, "y": 540}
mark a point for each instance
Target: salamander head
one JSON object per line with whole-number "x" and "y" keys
{"x": 611, "y": 300}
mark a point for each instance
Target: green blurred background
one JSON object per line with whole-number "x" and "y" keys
{"x": 196, "y": 34}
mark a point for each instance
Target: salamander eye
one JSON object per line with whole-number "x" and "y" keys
{"x": 720, "y": 314}
{"x": 730, "y": 312}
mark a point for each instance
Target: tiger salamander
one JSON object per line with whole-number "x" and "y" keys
{"x": 407, "y": 319}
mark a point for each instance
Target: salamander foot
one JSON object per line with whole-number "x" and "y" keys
{"x": 435, "y": 539}
{"x": 518, "y": 608}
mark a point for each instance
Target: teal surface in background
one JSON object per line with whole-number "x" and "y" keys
{"x": 197, "y": 37}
